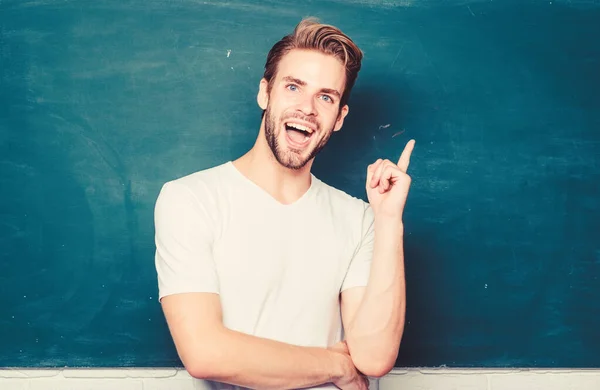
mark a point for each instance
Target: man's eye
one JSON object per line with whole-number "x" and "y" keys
{"x": 292, "y": 87}
{"x": 327, "y": 98}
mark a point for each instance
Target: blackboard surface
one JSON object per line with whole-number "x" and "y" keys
{"x": 101, "y": 102}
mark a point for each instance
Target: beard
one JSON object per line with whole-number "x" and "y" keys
{"x": 292, "y": 158}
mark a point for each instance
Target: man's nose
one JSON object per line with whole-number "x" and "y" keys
{"x": 307, "y": 106}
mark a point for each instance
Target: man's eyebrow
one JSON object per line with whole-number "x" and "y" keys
{"x": 303, "y": 83}
{"x": 331, "y": 91}
{"x": 294, "y": 80}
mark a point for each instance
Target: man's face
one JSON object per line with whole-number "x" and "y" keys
{"x": 303, "y": 107}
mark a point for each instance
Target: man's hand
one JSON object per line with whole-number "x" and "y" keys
{"x": 388, "y": 184}
{"x": 352, "y": 379}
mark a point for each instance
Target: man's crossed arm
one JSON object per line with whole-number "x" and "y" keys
{"x": 210, "y": 351}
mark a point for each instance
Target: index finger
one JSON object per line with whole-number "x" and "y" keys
{"x": 405, "y": 156}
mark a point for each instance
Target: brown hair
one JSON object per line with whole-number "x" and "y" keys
{"x": 311, "y": 35}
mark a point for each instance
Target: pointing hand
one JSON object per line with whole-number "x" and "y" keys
{"x": 388, "y": 184}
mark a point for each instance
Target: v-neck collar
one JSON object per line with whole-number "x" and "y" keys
{"x": 263, "y": 193}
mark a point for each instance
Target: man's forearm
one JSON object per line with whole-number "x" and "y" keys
{"x": 374, "y": 334}
{"x": 248, "y": 361}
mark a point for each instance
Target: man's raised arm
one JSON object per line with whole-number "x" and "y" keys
{"x": 374, "y": 315}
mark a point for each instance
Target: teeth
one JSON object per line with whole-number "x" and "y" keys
{"x": 300, "y": 127}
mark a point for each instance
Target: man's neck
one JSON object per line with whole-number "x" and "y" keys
{"x": 283, "y": 184}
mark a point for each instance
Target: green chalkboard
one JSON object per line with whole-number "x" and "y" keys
{"x": 101, "y": 102}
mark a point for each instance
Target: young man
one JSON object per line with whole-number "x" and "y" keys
{"x": 268, "y": 277}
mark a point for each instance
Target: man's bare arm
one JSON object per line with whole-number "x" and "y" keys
{"x": 208, "y": 350}
{"x": 374, "y": 315}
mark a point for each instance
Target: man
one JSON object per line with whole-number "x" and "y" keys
{"x": 268, "y": 277}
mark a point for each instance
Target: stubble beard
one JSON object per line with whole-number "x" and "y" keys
{"x": 290, "y": 158}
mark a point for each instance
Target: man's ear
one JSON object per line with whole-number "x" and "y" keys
{"x": 340, "y": 119}
{"x": 263, "y": 96}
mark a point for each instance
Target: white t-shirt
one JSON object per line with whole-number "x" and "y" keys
{"x": 278, "y": 269}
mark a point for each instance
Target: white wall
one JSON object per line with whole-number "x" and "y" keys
{"x": 413, "y": 379}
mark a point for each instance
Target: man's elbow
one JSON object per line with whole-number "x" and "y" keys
{"x": 375, "y": 368}
{"x": 375, "y": 364}
{"x": 197, "y": 369}
{"x": 202, "y": 368}
{"x": 375, "y": 356}
{"x": 203, "y": 361}
{"x": 197, "y": 366}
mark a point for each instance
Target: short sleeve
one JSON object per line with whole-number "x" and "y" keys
{"x": 360, "y": 265}
{"x": 183, "y": 238}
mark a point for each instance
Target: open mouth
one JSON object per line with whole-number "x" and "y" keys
{"x": 299, "y": 134}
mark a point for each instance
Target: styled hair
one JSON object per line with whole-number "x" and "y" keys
{"x": 309, "y": 34}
